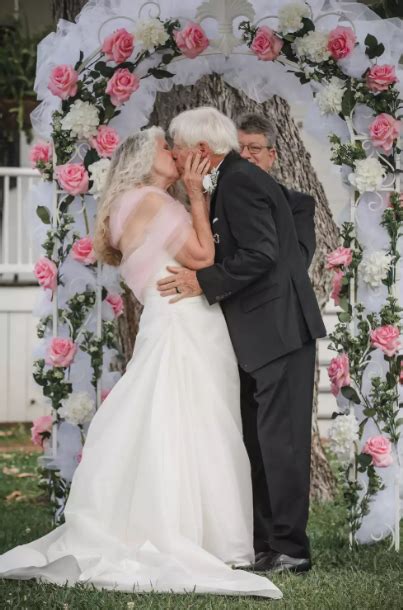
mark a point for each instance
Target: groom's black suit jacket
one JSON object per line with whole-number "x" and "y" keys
{"x": 259, "y": 275}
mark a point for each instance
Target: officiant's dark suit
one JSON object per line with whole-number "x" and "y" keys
{"x": 260, "y": 279}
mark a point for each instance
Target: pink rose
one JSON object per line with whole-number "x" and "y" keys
{"x": 83, "y": 251}
{"x": 106, "y": 140}
{"x": 192, "y": 40}
{"x": 266, "y": 44}
{"x": 340, "y": 256}
{"x": 341, "y": 42}
{"x": 384, "y": 130}
{"x": 380, "y": 449}
{"x": 386, "y": 338}
{"x": 122, "y": 84}
{"x": 63, "y": 81}
{"x": 60, "y": 352}
{"x": 380, "y": 77}
{"x": 105, "y": 393}
{"x": 116, "y": 302}
{"x": 337, "y": 283}
{"x": 45, "y": 272}
{"x": 118, "y": 46}
{"x": 73, "y": 178}
{"x": 339, "y": 373}
{"x": 41, "y": 429}
{"x": 40, "y": 153}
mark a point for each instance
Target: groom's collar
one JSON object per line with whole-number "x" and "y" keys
{"x": 228, "y": 160}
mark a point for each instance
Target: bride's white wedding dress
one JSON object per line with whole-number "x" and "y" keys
{"x": 162, "y": 499}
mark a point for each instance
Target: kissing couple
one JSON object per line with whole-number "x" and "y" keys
{"x": 195, "y": 469}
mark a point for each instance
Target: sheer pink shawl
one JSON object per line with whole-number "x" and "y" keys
{"x": 164, "y": 236}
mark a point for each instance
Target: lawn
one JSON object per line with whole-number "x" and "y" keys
{"x": 370, "y": 578}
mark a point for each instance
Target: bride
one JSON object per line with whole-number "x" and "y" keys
{"x": 161, "y": 500}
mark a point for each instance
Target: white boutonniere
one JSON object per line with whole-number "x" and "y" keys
{"x": 210, "y": 182}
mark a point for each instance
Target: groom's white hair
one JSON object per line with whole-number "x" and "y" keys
{"x": 205, "y": 124}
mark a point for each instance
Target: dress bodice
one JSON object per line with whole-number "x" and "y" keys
{"x": 163, "y": 237}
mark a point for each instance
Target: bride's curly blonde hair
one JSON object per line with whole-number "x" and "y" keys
{"x": 131, "y": 166}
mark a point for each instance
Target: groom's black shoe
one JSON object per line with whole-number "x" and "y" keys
{"x": 280, "y": 562}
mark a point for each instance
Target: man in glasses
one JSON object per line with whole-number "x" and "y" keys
{"x": 280, "y": 509}
{"x": 257, "y": 139}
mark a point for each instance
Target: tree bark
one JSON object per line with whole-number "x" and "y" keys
{"x": 66, "y": 9}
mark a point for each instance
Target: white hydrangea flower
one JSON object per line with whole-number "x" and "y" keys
{"x": 343, "y": 434}
{"x": 330, "y": 97}
{"x": 290, "y": 16}
{"x": 77, "y": 409}
{"x": 82, "y": 119}
{"x": 151, "y": 33}
{"x": 98, "y": 172}
{"x": 374, "y": 268}
{"x": 368, "y": 175}
{"x": 312, "y": 46}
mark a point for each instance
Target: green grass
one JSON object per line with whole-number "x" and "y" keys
{"x": 367, "y": 579}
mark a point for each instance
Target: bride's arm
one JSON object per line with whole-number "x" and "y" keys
{"x": 198, "y": 250}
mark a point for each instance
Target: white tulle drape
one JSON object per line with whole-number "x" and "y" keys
{"x": 260, "y": 81}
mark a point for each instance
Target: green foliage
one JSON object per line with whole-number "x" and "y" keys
{"x": 18, "y": 65}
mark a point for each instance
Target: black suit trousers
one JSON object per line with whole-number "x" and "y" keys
{"x": 276, "y": 403}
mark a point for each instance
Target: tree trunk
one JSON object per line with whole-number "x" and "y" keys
{"x": 293, "y": 169}
{"x": 66, "y": 9}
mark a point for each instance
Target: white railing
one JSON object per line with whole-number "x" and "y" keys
{"x": 16, "y": 254}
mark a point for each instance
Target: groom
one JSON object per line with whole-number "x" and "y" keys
{"x": 260, "y": 280}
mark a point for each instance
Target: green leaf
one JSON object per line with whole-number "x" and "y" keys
{"x": 373, "y": 48}
{"x": 344, "y": 304}
{"x": 369, "y": 412}
{"x": 348, "y": 103}
{"x": 44, "y": 214}
{"x": 364, "y": 460}
{"x": 349, "y": 393}
{"x": 79, "y": 61}
{"x": 307, "y": 26}
{"x": 126, "y": 64}
{"x": 159, "y": 73}
{"x": 90, "y": 157}
{"x": 104, "y": 69}
{"x": 390, "y": 379}
{"x": 167, "y": 58}
{"x": 344, "y": 317}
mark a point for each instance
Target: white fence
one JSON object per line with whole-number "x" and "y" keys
{"x": 15, "y": 237}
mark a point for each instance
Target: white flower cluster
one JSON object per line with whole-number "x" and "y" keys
{"x": 151, "y": 33}
{"x": 330, "y": 97}
{"x": 82, "y": 119}
{"x": 77, "y": 409}
{"x": 98, "y": 172}
{"x": 374, "y": 268}
{"x": 343, "y": 433}
{"x": 368, "y": 175}
{"x": 312, "y": 46}
{"x": 290, "y": 16}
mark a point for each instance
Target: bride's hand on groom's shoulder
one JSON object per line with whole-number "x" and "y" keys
{"x": 195, "y": 170}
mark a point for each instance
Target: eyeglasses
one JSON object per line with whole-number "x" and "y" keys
{"x": 254, "y": 149}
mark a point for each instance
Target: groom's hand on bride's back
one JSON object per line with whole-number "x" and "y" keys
{"x": 182, "y": 284}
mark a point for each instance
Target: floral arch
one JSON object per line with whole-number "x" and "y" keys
{"x": 98, "y": 79}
